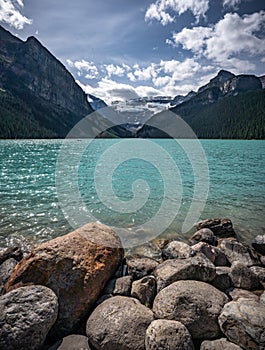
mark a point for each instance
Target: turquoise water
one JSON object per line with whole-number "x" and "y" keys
{"x": 41, "y": 199}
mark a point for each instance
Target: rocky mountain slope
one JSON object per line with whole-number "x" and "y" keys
{"x": 229, "y": 106}
{"x": 39, "y": 97}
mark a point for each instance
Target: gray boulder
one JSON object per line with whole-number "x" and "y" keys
{"x": 237, "y": 293}
{"x": 237, "y": 251}
{"x": 194, "y": 268}
{"x": 220, "y": 227}
{"x": 204, "y": 235}
{"x": 119, "y": 323}
{"x": 168, "y": 335}
{"x": 176, "y": 249}
{"x": 195, "y": 304}
{"x": 144, "y": 290}
{"x": 259, "y": 272}
{"x": 11, "y": 252}
{"x": 6, "y": 269}
{"x": 222, "y": 280}
{"x": 26, "y": 316}
{"x": 72, "y": 342}
{"x": 262, "y": 298}
{"x": 215, "y": 255}
{"x": 242, "y": 277}
{"x": 242, "y": 322}
{"x": 259, "y": 244}
{"x": 219, "y": 344}
{"x": 140, "y": 266}
{"x": 119, "y": 286}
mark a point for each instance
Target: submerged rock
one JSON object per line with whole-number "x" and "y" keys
{"x": 195, "y": 304}
{"x": 168, "y": 335}
{"x": 119, "y": 323}
{"x": 76, "y": 267}
{"x": 26, "y": 316}
{"x": 242, "y": 322}
{"x": 11, "y": 252}
{"x": 194, "y": 268}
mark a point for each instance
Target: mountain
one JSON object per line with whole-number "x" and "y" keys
{"x": 39, "y": 97}
{"x": 229, "y": 106}
{"x": 95, "y": 102}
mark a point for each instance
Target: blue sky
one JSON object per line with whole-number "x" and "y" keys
{"x": 120, "y": 49}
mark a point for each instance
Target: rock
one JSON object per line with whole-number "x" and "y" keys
{"x": 10, "y": 252}
{"x": 119, "y": 323}
{"x": 222, "y": 280}
{"x": 194, "y": 268}
{"x": 237, "y": 293}
{"x": 259, "y": 272}
{"x": 119, "y": 286}
{"x": 215, "y": 255}
{"x": 220, "y": 227}
{"x": 204, "y": 235}
{"x": 242, "y": 277}
{"x": 206, "y": 249}
{"x": 139, "y": 266}
{"x": 195, "y": 304}
{"x": 175, "y": 250}
{"x": 168, "y": 335}
{"x": 242, "y": 322}
{"x": 26, "y": 316}
{"x": 76, "y": 267}
{"x": 262, "y": 298}
{"x": 6, "y": 269}
{"x": 149, "y": 249}
{"x": 144, "y": 290}
{"x": 219, "y": 344}
{"x": 236, "y": 251}
{"x": 72, "y": 342}
{"x": 259, "y": 244}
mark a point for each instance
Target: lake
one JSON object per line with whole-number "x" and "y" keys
{"x": 144, "y": 188}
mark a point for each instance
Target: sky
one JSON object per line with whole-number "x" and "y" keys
{"x": 123, "y": 49}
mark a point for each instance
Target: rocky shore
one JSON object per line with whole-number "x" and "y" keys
{"x": 81, "y": 291}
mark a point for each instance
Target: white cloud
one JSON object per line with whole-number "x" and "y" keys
{"x": 115, "y": 70}
{"x": 231, "y": 3}
{"x": 228, "y": 41}
{"x": 10, "y": 14}
{"x": 83, "y": 66}
{"x": 160, "y": 9}
{"x": 144, "y": 73}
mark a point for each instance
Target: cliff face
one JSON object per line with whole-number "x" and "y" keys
{"x": 31, "y": 74}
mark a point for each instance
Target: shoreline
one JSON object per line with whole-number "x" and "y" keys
{"x": 185, "y": 296}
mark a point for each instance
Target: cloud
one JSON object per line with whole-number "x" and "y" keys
{"x": 10, "y": 14}
{"x": 225, "y": 43}
{"x": 161, "y": 10}
{"x": 231, "y": 3}
{"x": 110, "y": 90}
{"x": 146, "y": 73}
{"x": 119, "y": 71}
{"x": 83, "y": 66}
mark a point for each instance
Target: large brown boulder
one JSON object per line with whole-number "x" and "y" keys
{"x": 76, "y": 267}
